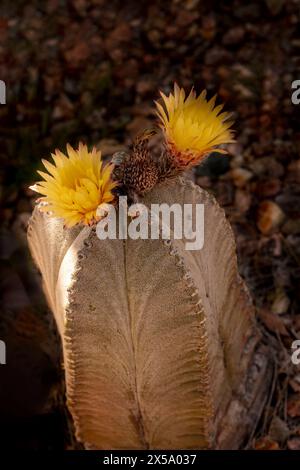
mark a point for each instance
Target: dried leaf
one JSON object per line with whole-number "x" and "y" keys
{"x": 266, "y": 443}
{"x": 273, "y": 322}
{"x": 293, "y": 406}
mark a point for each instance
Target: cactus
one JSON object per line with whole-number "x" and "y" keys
{"x": 161, "y": 347}
{"x": 158, "y": 341}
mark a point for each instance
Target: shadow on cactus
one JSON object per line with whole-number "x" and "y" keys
{"x": 161, "y": 347}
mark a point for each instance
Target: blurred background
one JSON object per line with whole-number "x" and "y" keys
{"x": 90, "y": 70}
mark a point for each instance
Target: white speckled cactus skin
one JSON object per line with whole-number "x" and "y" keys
{"x": 160, "y": 343}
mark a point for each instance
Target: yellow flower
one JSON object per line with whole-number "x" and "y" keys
{"x": 75, "y": 185}
{"x": 193, "y": 126}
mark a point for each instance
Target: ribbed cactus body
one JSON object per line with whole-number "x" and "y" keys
{"x": 160, "y": 343}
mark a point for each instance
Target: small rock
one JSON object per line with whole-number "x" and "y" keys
{"x": 268, "y": 188}
{"x": 269, "y": 217}
{"x": 291, "y": 226}
{"x": 267, "y": 166}
{"x": 208, "y": 29}
{"x": 247, "y": 11}
{"x": 235, "y": 149}
{"x": 216, "y": 56}
{"x": 185, "y": 18}
{"x": 80, "y": 6}
{"x": 243, "y": 91}
{"x": 234, "y": 36}
{"x": 145, "y": 86}
{"x": 63, "y": 108}
{"x": 279, "y": 430}
{"x": 242, "y": 200}
{"x": 294, "y": 171}
{"x": 191, "y": 4}
{"x": 120, "y": 34}
{"x": 224, "y": 72}
{"x": 293, "y": 406}
{"x": 295, "y": 383}
{"x": 281, "y": 303}
{"x": 240, "y": 176}
{"x": 288, "y": 199}
{"x": 243, "y": 71}
{"x": 154, "y": 36}
{"x": 297, "y": 329}
{"x": 294, "y": 443}
{"x": 275, "y": 6}
{"x": 78, "y": 54}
